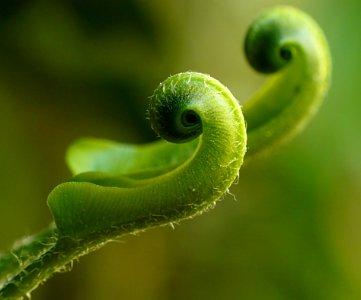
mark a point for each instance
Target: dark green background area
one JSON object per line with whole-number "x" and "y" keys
{"x": 86, "y": 68}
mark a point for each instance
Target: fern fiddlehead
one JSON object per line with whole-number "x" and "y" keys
{"x": 183, "y": 107}
{"x": 288, "y": 44}
{"x": 118, "y": 189}
{"x": 283, "y": 43}
{"x": 95, "y": 207}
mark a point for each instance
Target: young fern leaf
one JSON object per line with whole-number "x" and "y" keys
{"x": 288, "y": 44}
{"x": 119, "y": 189}
{"x": 284, "y": 43}
{"x": 183, "y": 107}
{"x": 94, "y": 208}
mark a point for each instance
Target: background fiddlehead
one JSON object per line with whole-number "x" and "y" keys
{"x": 84, "y": 228}
{"x": 289, "y": 44}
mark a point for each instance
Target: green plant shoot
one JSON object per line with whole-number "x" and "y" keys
{"x": 119, "y": 189}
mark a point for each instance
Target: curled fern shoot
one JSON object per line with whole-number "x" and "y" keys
{"x": 283, "y": 43}
{"x": 183, "y": 107}
{"x": 287, "y": 44}
{"x": 117, "y": 189}
{"x": 94, "y": 207}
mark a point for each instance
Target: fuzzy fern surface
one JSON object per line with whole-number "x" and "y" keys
{"x": 119, "y": 189}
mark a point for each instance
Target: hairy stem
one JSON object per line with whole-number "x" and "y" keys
{"x": 119, "y": 189}
{"x": 96, "y": 207}
{"x": 25, "y": 251}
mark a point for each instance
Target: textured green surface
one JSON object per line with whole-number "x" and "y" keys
{"x": 95, "y": 207}
{"x": 121, "y": 204}
{"x": 272, "y": 244}
{"x": 283, "y": 42}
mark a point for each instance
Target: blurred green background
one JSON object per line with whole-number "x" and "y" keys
{"x": 86, "y": 68}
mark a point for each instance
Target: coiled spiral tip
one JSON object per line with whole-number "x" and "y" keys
{"x": 269, "y": 40}
{"x": 170, "y": 110}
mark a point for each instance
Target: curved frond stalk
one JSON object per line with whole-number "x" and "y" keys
{"x": 283, "y": 43}
{"x": 289, "y": 45}
{"x": 119, "y": 189}
{"x": 94, "y": 207}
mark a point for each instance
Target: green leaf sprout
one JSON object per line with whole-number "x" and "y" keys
{"x": 117, "y": 189}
